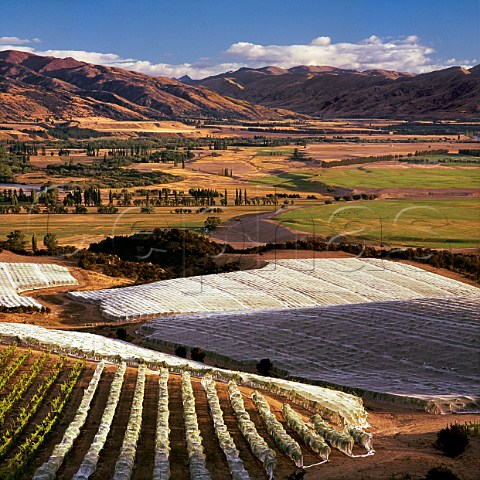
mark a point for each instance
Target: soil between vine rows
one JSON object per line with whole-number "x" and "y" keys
{"x": 403, "y": 437}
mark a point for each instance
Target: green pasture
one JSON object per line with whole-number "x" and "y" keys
{"x": 274, "y": 151}
{"x": 366, "y": 176}
{"x": 453, "y": 223}
{"x": 296, "y": 181}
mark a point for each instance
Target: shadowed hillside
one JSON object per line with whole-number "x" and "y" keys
{"x": 335, "y": 92}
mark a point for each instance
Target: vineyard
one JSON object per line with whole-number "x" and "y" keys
{"x": 74, "y": 405}
{"x": 391, "y": 342}
{"x": 19, "y": 277}
{"x": 279, "y": 285}
{"x": 68, "y": 418}
{"x": 35, "y": 387}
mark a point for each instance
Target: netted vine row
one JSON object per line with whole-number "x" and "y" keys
{"x": 257, "y": 443}
{"x": 340, "y": 440}
{"x": 275, "y": 429}
{"x": 196, "y": 455}
{"x": 126, "y": 459}
{"x": 362, "y": 438}
{"x": 161, "y": 469}
{"x": 235, "y": 463}
{"x": 49, "y": 469}
{"x": 90, "y": 461}
{"x": 314, "y": 441}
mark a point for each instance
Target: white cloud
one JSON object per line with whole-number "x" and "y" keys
{"x": 83, "y": 56}
{"x": 406, "y": 54}
{"x": 16, "y": 41}
{"x": 403, "y": 54}
{"x": 194, "y": 70}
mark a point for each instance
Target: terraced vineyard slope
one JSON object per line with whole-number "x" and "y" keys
{"x": 279, "y": 285}
{"x": 19, "y": 277}
{"x": 53, "y": 428}
{"x": 420, "y": 348}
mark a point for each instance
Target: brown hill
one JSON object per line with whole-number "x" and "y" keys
{"x": 32, "y": 86}
{"x": 333, "y": 92}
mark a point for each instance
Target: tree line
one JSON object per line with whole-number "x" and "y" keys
{"x": 379, "y": 158}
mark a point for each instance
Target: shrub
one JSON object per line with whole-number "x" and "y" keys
{"x": 121, "y": 334}
{"x": 181, "y": 352}
{"x": 147, "y": 209}
{"x": 16, "y": 241}
{"x": 441, "y": 473}
{"x": 452, "y": 440}
{"x": 197, "y": 354}
{"x": 211, "y": 223}
{"x": 80, "y": 209}
{"x": 264, "y": 366}
{"x": 50, "y": 240}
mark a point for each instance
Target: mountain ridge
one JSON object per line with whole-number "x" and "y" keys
{"x": 33, "y": 86}
{"x": 325, "y": 91}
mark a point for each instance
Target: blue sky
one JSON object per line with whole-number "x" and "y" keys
{"x": 203, "y": 37}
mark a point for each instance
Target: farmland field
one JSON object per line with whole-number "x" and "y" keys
{"x": 453, "y": 160}
{"x": 430, "y": 223}
{"x": 81, "y": 230}
{"x": 369, "y": 176}
{"x": 374, "y": 176}
{"x": 262, "y": 171}
{"x": 383, "y": 145}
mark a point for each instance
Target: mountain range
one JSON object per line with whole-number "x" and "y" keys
{"x": 33, "y": 86}
{"x": 333, "y": 92}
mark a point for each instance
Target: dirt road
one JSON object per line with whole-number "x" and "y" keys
{"x": 253, "y": 230}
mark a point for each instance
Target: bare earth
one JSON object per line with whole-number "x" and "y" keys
{"x": 338, "y": 151}
{"x": 254, "y": 230}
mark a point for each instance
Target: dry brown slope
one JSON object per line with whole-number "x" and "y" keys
{"x": 32, "y": 86}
